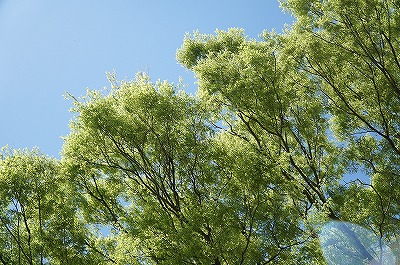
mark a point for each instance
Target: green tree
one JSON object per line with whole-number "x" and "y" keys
{"x": 351, "y": 49}
{"x": 38, "y": 220}
{"x": 321, "y": 100}
{"x": 255, "y": 91}
{"x": 175, "y": 189}
{"x": 140, "y": 155}
{"x": 289, "y": 150}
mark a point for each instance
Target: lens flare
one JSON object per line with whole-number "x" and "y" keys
{"x": 347, "y": 243}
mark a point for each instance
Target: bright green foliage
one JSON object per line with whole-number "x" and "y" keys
{"x": 351, "y": 49}
{"x": 334, "y": 72}
{"x": 174, "y": 192}
{"x": 38, "y": 221}
{"x": 281, "y": 121}
{"x": 140, "y": 154}
{"x": 287, "y": 137}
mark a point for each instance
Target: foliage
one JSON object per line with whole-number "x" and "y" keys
{"x": 286, "y": 136}
{"x": 39, "y": 222}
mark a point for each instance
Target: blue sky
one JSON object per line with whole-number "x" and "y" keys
{"x": 48, "y": 48}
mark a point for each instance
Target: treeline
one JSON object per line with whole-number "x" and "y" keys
{"x": 289, "y": 153}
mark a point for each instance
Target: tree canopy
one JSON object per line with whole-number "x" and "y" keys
{"x": 289, "y": 153}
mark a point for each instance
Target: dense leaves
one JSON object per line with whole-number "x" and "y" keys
{"x": 288, "y": 152}
{"x": 39, "y": 221}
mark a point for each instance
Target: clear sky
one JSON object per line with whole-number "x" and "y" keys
{"x": 49, "y": 47}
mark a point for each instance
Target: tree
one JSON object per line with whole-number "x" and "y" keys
{"x": 257, "y": 94}
{"x": 328, "y": 88}
{"x": 157, "y": 172}
{"x": 352, "y": 50}
{"x": 38, "y": 220}
{"x": 288, "y": 152}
